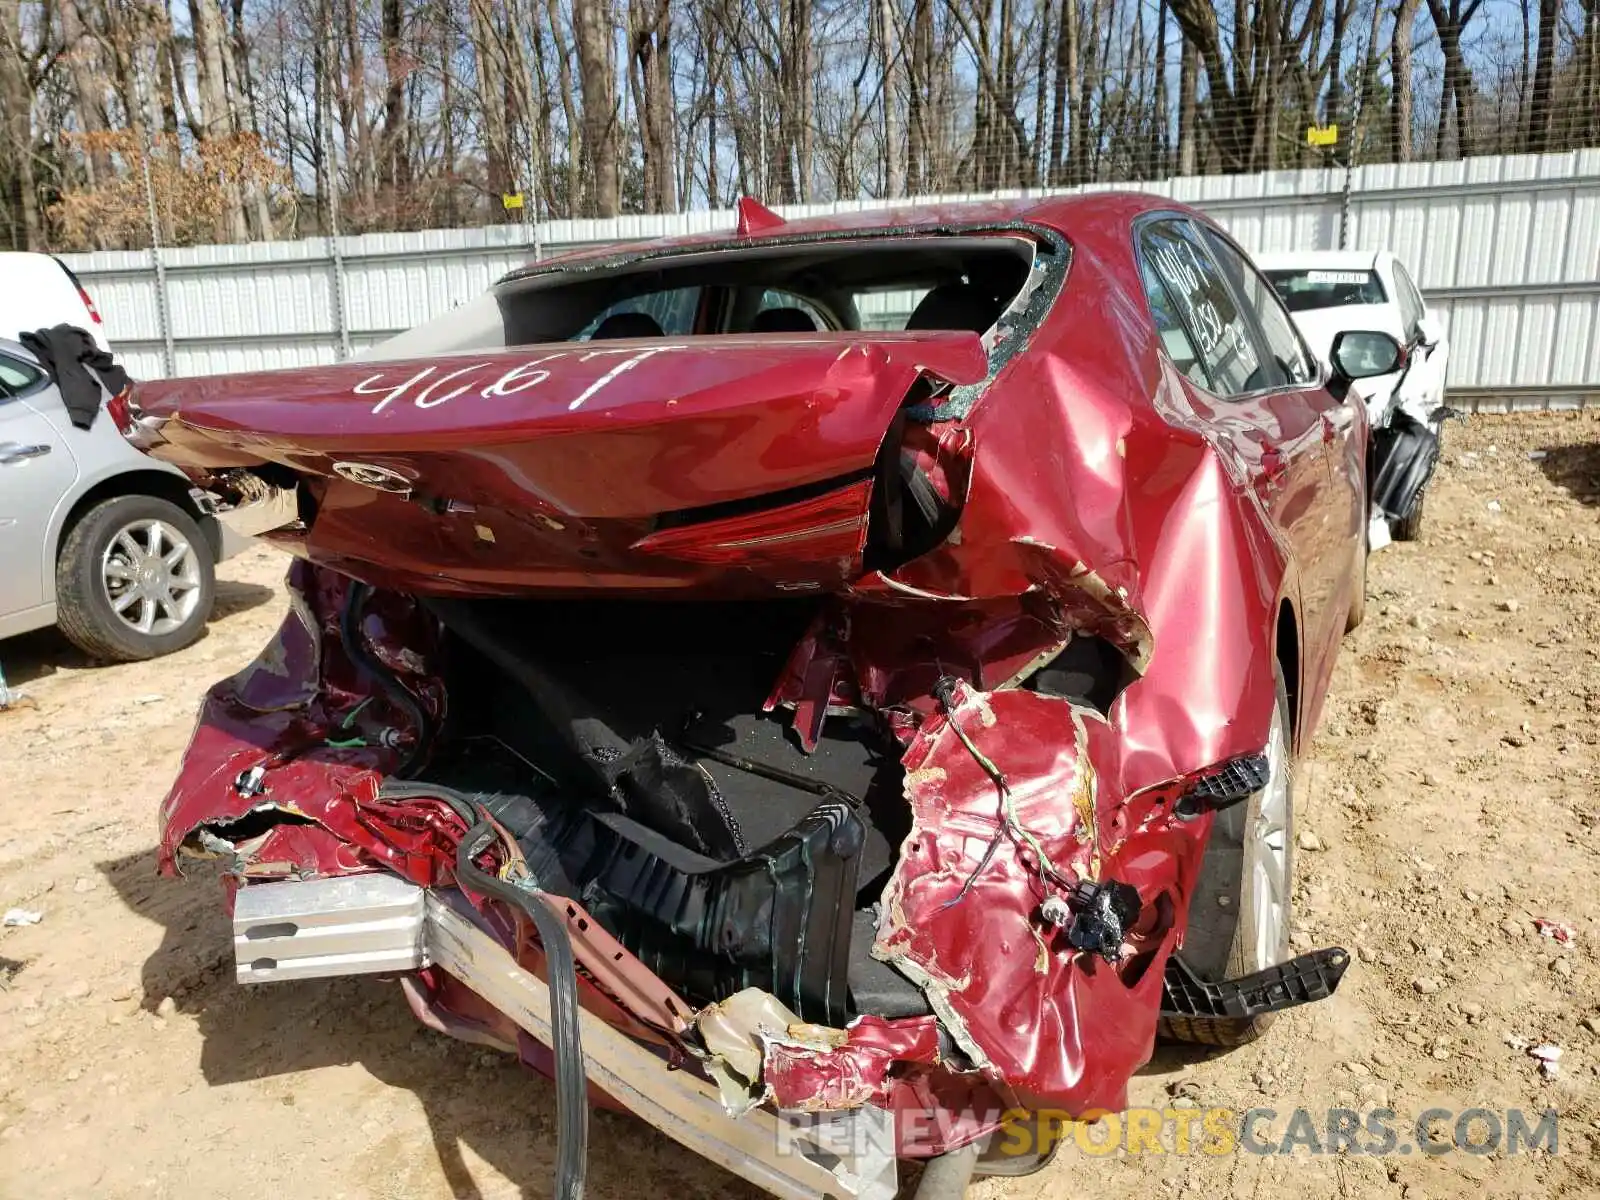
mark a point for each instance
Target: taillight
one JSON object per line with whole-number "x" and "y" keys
{"x": 89, "y": 304}
{"x": 83, "y": 293}
{"x": 118, "y": 410}
{"x": 141, "y": 429}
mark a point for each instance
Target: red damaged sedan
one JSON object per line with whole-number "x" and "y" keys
{"x": 825, "y": 741}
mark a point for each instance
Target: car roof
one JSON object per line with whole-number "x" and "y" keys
{"x": 1063, "y": 213}
{"x": 39, "y": 290}
{"x": 31, "y": 260}
{"x": 1320, "y": 260}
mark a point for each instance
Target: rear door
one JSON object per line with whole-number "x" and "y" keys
{"x": 36, "y": 472}
{"x": 1261, "y": 388}
{"x": 1342, "y": 500}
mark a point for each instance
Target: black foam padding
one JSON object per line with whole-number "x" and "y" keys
{"x": 779, "y": 919}
{"x": 600, "y": 732}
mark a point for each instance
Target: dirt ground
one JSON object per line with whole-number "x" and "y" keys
{"x": 1451, "y": 788}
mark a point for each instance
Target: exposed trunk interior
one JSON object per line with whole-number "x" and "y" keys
{"x": 624, "y": 744}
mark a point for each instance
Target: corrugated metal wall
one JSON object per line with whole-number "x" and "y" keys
{"x": 1507, "y": 249}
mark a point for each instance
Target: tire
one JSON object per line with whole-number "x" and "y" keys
{"x": 1228, "y": 942}
{"x": 1409, "y": 528}
{"x": 105, "y": 557}
{"x": 1358, "y": 595}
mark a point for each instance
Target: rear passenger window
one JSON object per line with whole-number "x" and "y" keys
{"x": 17, "y": 377}
{"x": 1174, "y": 338}
{"x": 1196, "y": 289}
{"x": 1293, "y": 362}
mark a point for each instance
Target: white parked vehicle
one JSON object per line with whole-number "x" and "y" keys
{"x": 114, "y": 547}
{"x": 1330, "y": 291}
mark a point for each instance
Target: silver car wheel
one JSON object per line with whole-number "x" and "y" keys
{"x": 1266, "y": 853}
{"x": 151, "y": 577}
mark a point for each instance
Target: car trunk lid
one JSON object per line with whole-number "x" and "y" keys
{"x": 626, "y": 465}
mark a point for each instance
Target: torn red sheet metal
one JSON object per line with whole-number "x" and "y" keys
{"x": 1020, "y": 1003}
{"x": 856, "y": 1071}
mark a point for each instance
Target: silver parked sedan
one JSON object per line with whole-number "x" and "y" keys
{"x": 114, "y": 547}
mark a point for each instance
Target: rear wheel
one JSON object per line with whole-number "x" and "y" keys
{"x": 134, "y": 579}
{"x": 1239, "y": 917}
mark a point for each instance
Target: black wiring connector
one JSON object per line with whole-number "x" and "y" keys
{"x": 1102, "y": 915}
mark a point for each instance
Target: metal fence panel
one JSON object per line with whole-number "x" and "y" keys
{"x": 1508, "y": 249}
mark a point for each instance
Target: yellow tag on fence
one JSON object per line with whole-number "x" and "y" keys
{"x": 511, "y": 200}
{"x": 1322, "y": 135}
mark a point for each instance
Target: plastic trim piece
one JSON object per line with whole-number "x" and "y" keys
{"x": 1307, "y": 977}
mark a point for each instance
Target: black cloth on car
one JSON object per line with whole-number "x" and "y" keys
{"x": 79, "y": 367}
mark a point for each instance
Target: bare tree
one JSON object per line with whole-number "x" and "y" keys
{"x": 16, "y": 113}
{"x": 1541, "y": 113}
{"x": 1450, "y": 21}
{"x": 395, "y": 155}
{"x": 491, "y": 97}
{"x": 1586, "y": 128}
{"x": 216, "y": 112}
{"x": 597, "y": 73}
{"x": 405, "y": 113}
{"x": 894, "y": 180}
{"x": 650, "y": 25}
{"x": 921, "y": 113}
{"x": 1400, "y": 127}
{"x": 1188, "y": 108}
{"x": 1002, "y": 144}
{"x": 81, "y": 52}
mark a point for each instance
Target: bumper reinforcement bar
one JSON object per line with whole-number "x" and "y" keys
{"x": 380, "y": 923}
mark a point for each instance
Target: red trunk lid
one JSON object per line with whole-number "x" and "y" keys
{"x": 656, "y": 465}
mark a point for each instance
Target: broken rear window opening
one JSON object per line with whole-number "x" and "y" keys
{"x": 954, "y": 282}
{"x": 1303, "y": 291}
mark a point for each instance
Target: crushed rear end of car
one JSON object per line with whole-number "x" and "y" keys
{"x": 735, "y": 728}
